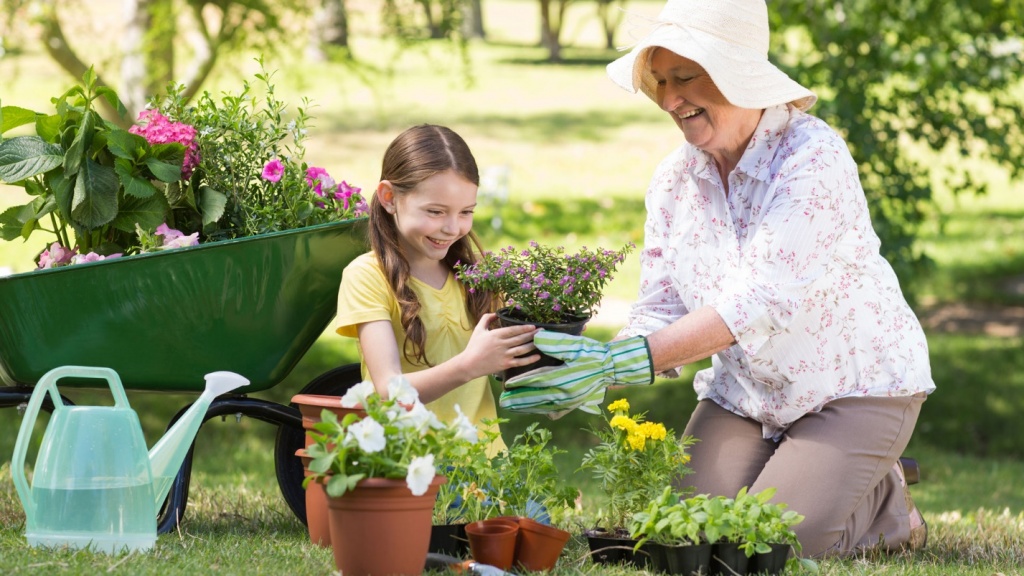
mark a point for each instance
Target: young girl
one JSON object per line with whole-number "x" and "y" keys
{"x": 402, "y": 301}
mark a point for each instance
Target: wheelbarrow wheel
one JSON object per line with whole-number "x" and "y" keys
{"x": 334, "y": 382}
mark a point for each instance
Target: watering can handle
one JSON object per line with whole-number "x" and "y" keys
{"x": 48, "y": 385}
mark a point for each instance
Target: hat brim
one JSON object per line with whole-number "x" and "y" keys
{"x": 745, "y": 77}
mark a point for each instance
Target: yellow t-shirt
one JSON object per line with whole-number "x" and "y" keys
{"x": 366, "y": 296}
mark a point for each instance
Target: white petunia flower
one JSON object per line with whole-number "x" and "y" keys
{"x": 368, "y": 434}
{"x": 356, "y": 396}
{"x": 419, "y": 418}
{"x": 464, "y": 428}
{"x": 421, "y": 473}
{"x": 402, "y": 392}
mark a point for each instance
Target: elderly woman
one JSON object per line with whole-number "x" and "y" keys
{"x": 759, "y": 252}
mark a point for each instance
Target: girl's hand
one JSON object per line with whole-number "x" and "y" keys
{"x": 494, "y": 350}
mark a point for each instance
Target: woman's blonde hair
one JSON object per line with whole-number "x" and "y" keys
{"x": 413, "y": 156}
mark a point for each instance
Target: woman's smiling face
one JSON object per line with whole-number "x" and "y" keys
{"x": 697, "y": 106}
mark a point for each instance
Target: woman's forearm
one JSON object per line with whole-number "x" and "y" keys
{"x": 695, "y": 336}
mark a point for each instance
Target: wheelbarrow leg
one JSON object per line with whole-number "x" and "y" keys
{"x": 177, "y": 499}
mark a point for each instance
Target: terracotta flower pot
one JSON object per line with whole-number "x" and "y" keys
{"x": 540, "y": 545}
{"x": 380, "y": 528}
{"x": 311, "y": 406}
{"x": 493, "y": 543}
{"x": 573, "y": 325}
{"x": 316, "y": 506}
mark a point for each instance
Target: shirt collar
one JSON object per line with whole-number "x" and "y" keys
{"x": 764, "y": 144}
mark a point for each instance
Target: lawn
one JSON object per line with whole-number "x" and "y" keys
{"x": 577, "y": 153}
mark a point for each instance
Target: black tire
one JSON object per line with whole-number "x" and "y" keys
{"x": 334, "y": 382}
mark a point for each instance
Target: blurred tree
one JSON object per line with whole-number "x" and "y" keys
{"x": 552, "y": 18}
{"x": 901, "y": 76}
{"x": 329, "y": 24}
{"x": 611, "y": 13}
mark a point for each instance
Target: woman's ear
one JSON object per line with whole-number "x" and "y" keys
{"x": 386, "y": 196}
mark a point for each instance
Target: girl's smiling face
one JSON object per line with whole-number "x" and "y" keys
{"x": 433, "y": 216}
{"x": 697, "y": 106}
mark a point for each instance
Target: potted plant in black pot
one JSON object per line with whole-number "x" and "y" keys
{"x": 671, "y": 531}
{"x": 543, "y": 286}
{"x": 634, "y": 460}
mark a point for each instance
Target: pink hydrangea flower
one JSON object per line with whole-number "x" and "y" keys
{"x": 273, "y": 171}
{"x": 55, "y": 255}
{"x": 158, "y": 129}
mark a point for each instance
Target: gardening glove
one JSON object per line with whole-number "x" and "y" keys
{"x": 590, "y": 367}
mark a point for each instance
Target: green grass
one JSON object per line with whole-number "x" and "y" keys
{"x": 579, "y": 152}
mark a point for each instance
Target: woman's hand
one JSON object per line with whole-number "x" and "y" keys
{"x": 493, "y": 350}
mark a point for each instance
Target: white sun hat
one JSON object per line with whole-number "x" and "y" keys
{"x": 729, "y": 39}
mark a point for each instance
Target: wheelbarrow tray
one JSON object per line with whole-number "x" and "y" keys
{"x": 163, "y": 320}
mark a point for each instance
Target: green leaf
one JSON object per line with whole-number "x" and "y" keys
{"x": 113, "y": 100}
{"x": 124, "y": 144}
{"x": 63, "y": 192}
{"x": 146, "y": 212}
{"x": 95, "y": 200}
{"x": 164, "y": 171}
{"x": 48, "y": 127}
{"x": 133, "y": 184}
{"x": 10, "y": 222}
{"x": 170, "y": 152}
{"x": 26, "y": 156}
{"x": 83, "y": 138}
{"x": 14, "y": 116}
{"x": 211, "y": 204}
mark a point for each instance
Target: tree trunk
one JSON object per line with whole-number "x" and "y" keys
{"x": 147, "y": 64}
{"x": 551, "y": 27}
{"x": 473, "y": 19}
{"x": 329, "y": 26}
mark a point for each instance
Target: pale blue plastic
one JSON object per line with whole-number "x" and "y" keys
{"x": 94, "y": 485}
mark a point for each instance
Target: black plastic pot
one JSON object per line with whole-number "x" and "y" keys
{"x": 729, "y": 559}
{"x": 573, "y": 325}
{"x": 770, "y": 563}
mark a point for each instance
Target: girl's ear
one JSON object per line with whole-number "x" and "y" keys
{"x": 386, "y": 196}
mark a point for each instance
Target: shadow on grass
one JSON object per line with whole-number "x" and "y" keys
{"x": 977, "y": 406}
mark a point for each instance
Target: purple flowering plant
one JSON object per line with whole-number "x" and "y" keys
{"x": 542, "y": 283}
{"x": 180, "y": 175}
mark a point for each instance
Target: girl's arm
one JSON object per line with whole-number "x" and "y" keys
{"x": 488, "y": 351}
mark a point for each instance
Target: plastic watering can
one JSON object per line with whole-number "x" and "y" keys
{"x": 94, "y": 484}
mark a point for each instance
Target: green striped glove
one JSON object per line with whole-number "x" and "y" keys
{"x": 590, "y": 367}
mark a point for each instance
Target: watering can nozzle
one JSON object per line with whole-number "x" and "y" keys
{"x": 169, "y": 452}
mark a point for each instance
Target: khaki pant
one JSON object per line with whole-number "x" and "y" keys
{"x": 834, "y": 466}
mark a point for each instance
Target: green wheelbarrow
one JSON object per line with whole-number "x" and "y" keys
{"x": 163, "y": 320}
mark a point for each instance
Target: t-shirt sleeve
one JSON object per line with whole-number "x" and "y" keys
{"x": 364, "y": 296}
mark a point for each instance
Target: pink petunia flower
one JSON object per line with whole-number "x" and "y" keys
{"x": 167, "y": 232}
{"x": 93, "y": 257}
{"x": 273, "y": 171}
{"x": 318, "y": 178}
{"x": 182, "y": 241}
{"x": 56, "y": 255}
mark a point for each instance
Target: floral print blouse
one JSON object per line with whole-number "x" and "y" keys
{"x": 790, "y": 262}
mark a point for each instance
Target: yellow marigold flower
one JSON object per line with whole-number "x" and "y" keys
{"x": 620, "y": 405}
{"x": 684, "y": 459}
{"x": 654, "y": 430}
{"x": 636, "y": 441}
{"x": 623, "y": 423}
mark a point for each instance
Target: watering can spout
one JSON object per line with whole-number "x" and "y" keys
{"x": 169, "y": 452}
